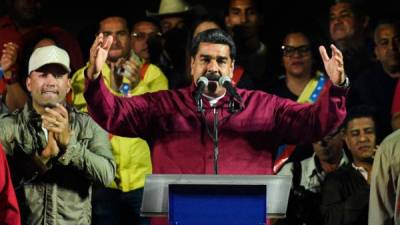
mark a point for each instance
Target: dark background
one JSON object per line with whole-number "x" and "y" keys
{"x": 77, "y": 17}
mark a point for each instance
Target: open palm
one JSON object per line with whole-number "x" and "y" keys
{"x": 333, "y": 66}
{"x": 98, "y": 55}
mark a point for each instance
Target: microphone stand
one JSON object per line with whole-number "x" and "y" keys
{"x": 201, "y": 84}
{"x": 233, "y": 108}
{"x": 214, "y": 135}
{"x": 234, "y": 105}
{"x": 199, "y": 104}
{"x": 215, "y": 140}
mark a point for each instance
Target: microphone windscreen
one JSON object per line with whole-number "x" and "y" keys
{"x": 224, "y": 79}
{"x": 203, "y": 80}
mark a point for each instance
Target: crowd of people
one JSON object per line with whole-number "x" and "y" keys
{"x": 179, "y": 92}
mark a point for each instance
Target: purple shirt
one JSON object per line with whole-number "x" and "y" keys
{"x": 179, "y": 140}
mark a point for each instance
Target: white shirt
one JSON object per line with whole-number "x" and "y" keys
{"x": 46, "y": 133}
{"x": 311, "y": 176}
{"x": 213, "y": 100}
{"x": 363, "y": 171}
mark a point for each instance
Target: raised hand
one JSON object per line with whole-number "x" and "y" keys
{"x": 334, "y": 65}
{"x": 56, "y": 120}
{"x": 9, "y": 56}
{"x": 98, "y": 55}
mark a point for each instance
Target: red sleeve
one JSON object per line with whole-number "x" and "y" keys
{"x": 9, "y": 211}
{"x": 396, "y": 99}
{"x": 111, "y": 111}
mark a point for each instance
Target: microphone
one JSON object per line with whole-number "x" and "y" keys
{"x": 202, "y": 82}
{"x": 226, "y": 82}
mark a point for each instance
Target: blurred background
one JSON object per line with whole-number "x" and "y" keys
{"x": 80, "y": 19}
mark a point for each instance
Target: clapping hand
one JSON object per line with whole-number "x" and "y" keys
{"x": 56, "y": 121}
{"x": 9, "y": 56}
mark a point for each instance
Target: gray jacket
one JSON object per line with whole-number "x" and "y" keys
{"x": 58, "y": 193}
{"x": 384, "y": 201}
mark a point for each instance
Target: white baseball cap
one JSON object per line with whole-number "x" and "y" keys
{"x": 48, "y": 55}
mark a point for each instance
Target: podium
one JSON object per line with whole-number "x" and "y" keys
{"x": 216, "y": 199}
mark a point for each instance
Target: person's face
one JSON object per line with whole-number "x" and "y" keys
{"x": 116, "y": 27}
{"x": 48, "y": 85}
{"x": 203, "y": 26}
{"x": 168, "y": 23}
{"x": 387, "y": 41}
{"x": 241, "y": 12}
{"x": 360, "y": 138}
{"x": 213, "y": 61}
{"x": 140, "y": 35}
{"x": 297, "y": 57}
{"x": 342, "y": 21}
{"x": 330, "y": 147}
{"x": 27, "y": 11}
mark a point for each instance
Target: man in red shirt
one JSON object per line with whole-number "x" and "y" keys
{"x": 219, "y": 131}
{"x": 251, "y": 123}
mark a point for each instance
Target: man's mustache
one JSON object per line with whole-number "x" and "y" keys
{"x": 115, "y": 46}
{"x": 212, "y": 76}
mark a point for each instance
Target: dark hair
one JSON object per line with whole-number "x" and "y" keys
{"x": 386, "y": 22}
{"x": 308, "y": 36}
{"x": 206, "y": 18}
{"x": 148, "y": 19}
{"x": 358, "y": 7}
{"x": 359, "y": 111}
{"x": 216, "y": 36}
{"x": 108, "y": 16}
{"x": 258, "y": 5}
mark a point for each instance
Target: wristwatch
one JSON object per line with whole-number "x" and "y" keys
{"x": 345, "y": 83}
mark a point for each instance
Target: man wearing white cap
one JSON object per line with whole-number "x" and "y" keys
{"x": 55, "y": 152}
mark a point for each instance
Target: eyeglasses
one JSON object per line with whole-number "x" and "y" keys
{"x": 289, "y": 51}
{"x": 141, "y": 36}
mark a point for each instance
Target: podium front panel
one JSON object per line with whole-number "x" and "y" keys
{"x": 217, "y": 204}
{"x": 156, "y": 191}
